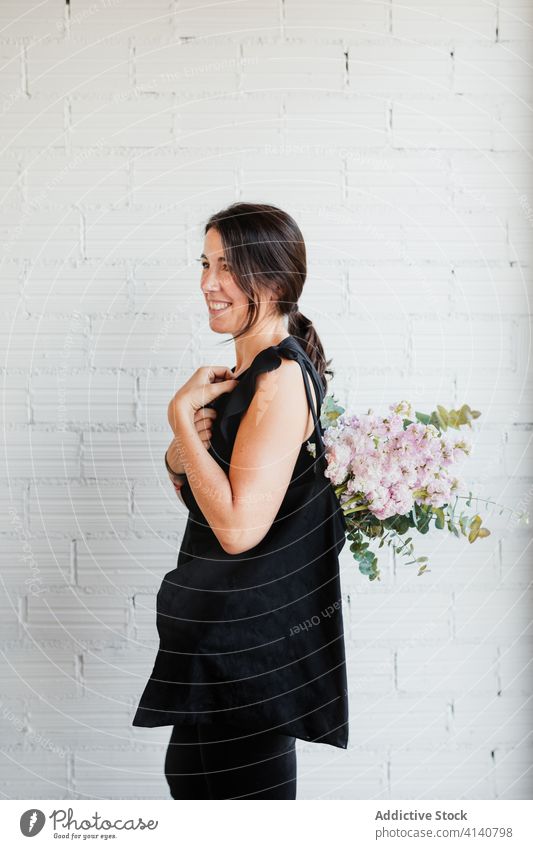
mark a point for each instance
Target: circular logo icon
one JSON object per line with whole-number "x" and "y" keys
{"x": 31, "y": 822}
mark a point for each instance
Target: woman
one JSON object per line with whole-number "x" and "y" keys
{"x": 251, "y": 652}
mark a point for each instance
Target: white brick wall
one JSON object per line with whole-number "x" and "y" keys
{"x": 400, "y": 139}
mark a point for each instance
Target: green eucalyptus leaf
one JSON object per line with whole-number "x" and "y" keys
{"x": 440, "y": 520}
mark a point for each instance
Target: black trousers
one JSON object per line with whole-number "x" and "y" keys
{"x": 220, "y": 761}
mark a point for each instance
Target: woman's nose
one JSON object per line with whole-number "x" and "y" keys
{"x": 209, "y": 283}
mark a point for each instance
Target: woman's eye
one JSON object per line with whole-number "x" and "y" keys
{"x": 205, "y": 265}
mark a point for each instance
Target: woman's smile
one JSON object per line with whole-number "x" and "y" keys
{"x": 216, "y": 307}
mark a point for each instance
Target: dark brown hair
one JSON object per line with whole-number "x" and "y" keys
{"x": 266, "y": 252}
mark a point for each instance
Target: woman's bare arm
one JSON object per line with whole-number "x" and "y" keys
{"x": 203, "y": 420}
{"x": 240, "y": 507}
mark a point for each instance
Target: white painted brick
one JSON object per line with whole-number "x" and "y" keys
{"x": 515, "y": 19}
{"x": 323, "y": 297}
{"x": 173, "y": 65}
{"x": 37, "y": 454}
{"x": 456, "y": 563}
{"x": 458, "y": 347}
{"x": 513, "y": 130}
{"x": 125, "y": 455}
{"x": 466, "y": 237}
{"x": 254, "y": 15}
{"x": 496, "y": 180}
{"x": 382, "y": 720}
{"x": 11, "y": 607}
{"x": 31, "y": 671}
{"x": 452, "y": 669}
{"x": 15, "y": 406}
{"x": 495, "y": 616}
{"x": 157, "y": 509}
{"x": 121, "y": 233}
{"x": 515, "y": 668}
{"x": 117, "y": 675}
{"x": 35, "y": 773}
{"x": 334, "y": 121}
{"x": 446, "y": 122}
{"x": 512, "y": 771}
{"x": 124, "y": 19}
{"x": 12, "y": 517}
{"x": 371, "y": 669}
{"x": 518, "y": 452}
{"x": 37, "y": 122}
{"x": 163, "y": 289}
{"x": 78, "y": 67}
{"x": 442, "y": 772}
{"x": 441, "y": 20}
{"x": 399, "y": 291}
{"x": 10, "y": 281}
{"x": 398, "y": 177}
{"x": 91, "y": 508}
{"x": 280, "y": 189}
{"x": 87, "y": 397}
{"x": 386, "y": 66}
{"x": 11, "y": 78}
{"x": 339, "y": 19}
{"x": 482, "y": 721}
{"x": 377, "y": 392}
{"x": 511, "y": 402}
{"x": 499, "y": 68}
{"x": 516, "y": 542}
{"x": 33, "y": 564}
{"x": 77, "y": 613}
{"x": 280, "y": 65}
{"x": 12, "y": 719}
{"x": 88, "y": 177}
{"x": 145, "y": 121}
{"x": 520, "y": 238}
{"x": 25, "y": 18}
{"x": 171, "y": 177}
{"x": 354, "y": 774}
{"x": 346, "y": 235}
{"x": 141, "y": 342}
{"x": 144, "y": 617}
{"x": 492, "y": 291}
{"x": 40, "y": 235}
{"x": 389, "y": 619}
{"x": 255, "y": 117}
{"x": 137, "y": 773}
{"x": 155, "y": 393}
{"x": 96, "y": 721}
{"x": 133, "y": 561}
{"x": 388, "y": 340}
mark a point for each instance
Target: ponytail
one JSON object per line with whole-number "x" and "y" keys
{"x": 304, "y": 332}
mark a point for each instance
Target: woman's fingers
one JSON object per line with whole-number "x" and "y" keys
{"x": 206, "y": 413}
{"x": 203, "y": 420}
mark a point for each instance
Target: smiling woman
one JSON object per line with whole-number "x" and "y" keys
{"x": 239, "y": 674}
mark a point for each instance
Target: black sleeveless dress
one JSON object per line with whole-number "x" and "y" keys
{"x": 256, "y": 639}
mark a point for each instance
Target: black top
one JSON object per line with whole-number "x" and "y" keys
{"x": 257, "y": 638}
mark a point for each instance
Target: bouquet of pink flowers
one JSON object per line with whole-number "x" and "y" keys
{"x": 395, "y": 474}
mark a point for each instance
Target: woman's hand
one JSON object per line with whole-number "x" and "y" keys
{"x": 206, "y": 384}
{"x": 203, "y": 421}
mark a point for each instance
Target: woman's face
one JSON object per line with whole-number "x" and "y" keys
{"x": 227, "y": 305}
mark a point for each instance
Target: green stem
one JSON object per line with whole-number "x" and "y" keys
{"x": 354, "y": 509}
{"x": 487, "y": 501}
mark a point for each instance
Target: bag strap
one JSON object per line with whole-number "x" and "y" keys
{"x": 317, "y": 432}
